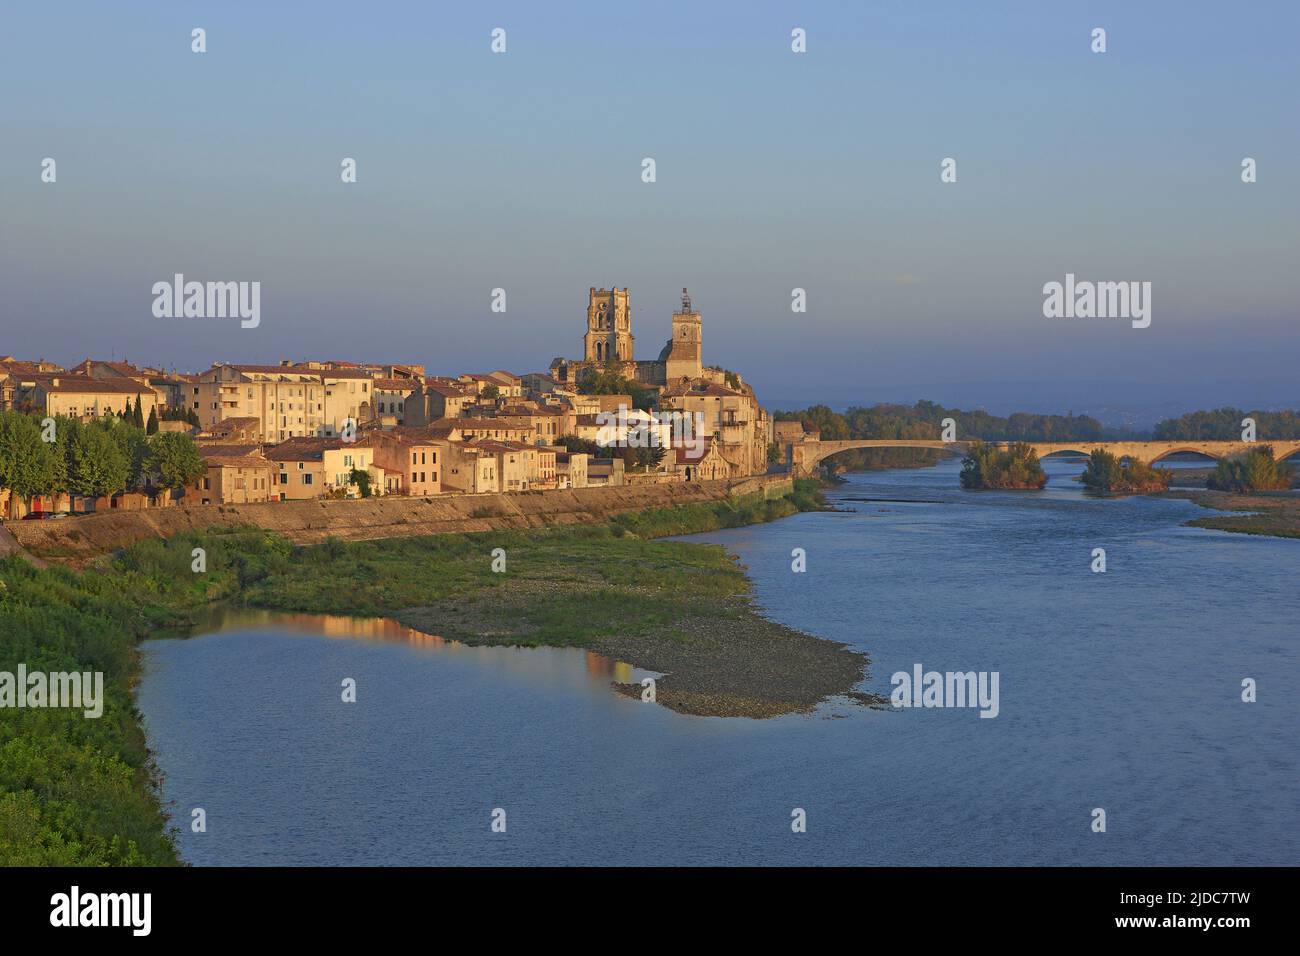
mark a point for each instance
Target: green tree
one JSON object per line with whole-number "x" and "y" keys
{"x": 137, "y": 416}
{"x": 608, "y": 381}
{"x": 1108, "y": 475}
{"x": 491, "y": 393}
{"x": 29, "y": 465}
{"x": 987, "y": 466}
{"x": 151, "y": 427}
{"x": 1257, "y": 470}
{"x": 97, "y": 466}
{"x": 362, "y": 480}
{"x": 174, "y": 460}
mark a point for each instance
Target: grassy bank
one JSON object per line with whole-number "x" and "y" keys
{"x": 79, "y": 791}
{"x": 1277, "y": 515}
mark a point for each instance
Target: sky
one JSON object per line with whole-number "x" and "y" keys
{"x": 774, "y": 170}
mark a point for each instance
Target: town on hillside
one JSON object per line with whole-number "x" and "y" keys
{"x": 342, "y": 429}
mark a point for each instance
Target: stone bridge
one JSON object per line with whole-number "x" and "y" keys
{"x": 803, "y": 457}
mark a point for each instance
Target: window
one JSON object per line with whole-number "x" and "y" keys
{"x": 306, "y": 479}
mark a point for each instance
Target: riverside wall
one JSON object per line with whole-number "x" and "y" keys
{"x": 78, "y": 540}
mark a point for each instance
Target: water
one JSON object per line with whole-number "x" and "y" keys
{"x": 1118, "y": 690}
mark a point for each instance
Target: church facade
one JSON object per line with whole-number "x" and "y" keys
{"x": 609, "y": 343}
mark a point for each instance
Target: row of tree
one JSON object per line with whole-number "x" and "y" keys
{"x": 1224, "y": 424}
{"x": 91, "y": 459}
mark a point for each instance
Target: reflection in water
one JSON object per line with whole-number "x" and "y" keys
{"x": 225, "y": 620}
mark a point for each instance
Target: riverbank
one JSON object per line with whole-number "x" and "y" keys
{"x": 1272, "y": 514}
{"x": 77, "y": 791}
{"x": 80, "y": 540}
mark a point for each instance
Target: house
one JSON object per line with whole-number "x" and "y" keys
{"x": 300, "y": 467}
{"x": 289, "y": 401}
{"x": 234, "y": 430}
{"x": 437, "y": 399}
{"x": 391, "y": 396}
{"x": 469, "y": 469}
{"x": 78, "y": 396}
{"x": 547, "y": 423}
{"x": 235, "y": 474}
{"x": 411, "y": 464}
{"x": 571, "y": 469}
{"x": 701, "y": 461}
{"x": 458, "y": 429}
{"x": 604, "y": 471}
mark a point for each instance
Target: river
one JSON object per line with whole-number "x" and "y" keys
{"x": 1118, "y": 691}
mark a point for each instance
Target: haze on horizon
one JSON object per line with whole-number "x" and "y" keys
{"x": 775, "y": 170}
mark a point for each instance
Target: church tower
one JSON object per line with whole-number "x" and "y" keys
{"x": 609, "y": 327}
{"x": 682, "y": 355}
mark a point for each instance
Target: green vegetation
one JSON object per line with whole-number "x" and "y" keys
{"x": 362, "y": 480}
{"x": 1273, "y": 515}
{"x": 986, "y": 466}
{"x": 1257, "y": 470}
{"x": 187, "y": 415}
{"x": 80, "y": 791}
{"x": 608, "y": 381}
{"x": 1224, "y": 424}
{"x": 91, "y": 459}
{"x": 1106, "y": 474}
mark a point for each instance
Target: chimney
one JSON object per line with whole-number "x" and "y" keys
{"x": 54, "y": 382}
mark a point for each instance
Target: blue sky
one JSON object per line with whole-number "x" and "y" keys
{"x": 774, "y": 171}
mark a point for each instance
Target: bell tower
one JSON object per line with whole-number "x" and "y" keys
{"x": 609, "y": 327}
{"x": 683, "y": 358}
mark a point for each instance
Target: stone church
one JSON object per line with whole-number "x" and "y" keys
{"x": 609, "y": 342}
{"x": 738, "y": 428}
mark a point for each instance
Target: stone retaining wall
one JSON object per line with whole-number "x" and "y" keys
{"x": 81, "y": 539}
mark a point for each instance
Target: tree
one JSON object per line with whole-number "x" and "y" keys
{"x": 645, "y": 458}
{"x": 987, "y": 466}
{"x": 29, "y": 466}
{"x": 137, "y": 416}
{"x": 151, "y": 428}
{"x": 1257, "y": 470}
{"x": 609, "y": 381}
{"x": 362, "y": 480}
{"x": 174, "y": 460}
{"x": 96, "y": 464}
{"x": 491, "y": 393}
{"x": 1107, "y": 474}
